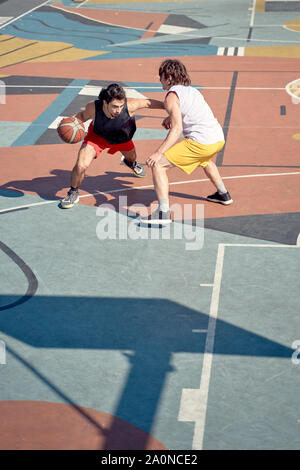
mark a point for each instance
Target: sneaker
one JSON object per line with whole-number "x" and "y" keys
{"x": 136, "y": 167}
{"x": 157, "y": 218}
{"x": 221, "y": 198}
{"x": 71, "y": 199}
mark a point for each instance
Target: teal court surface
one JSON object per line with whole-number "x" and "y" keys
{"x": 114, "y": 336}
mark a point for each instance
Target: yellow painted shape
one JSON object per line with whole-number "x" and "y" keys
{"x": 13, "y": 44}
{"x": 296, "y": 136}
{"x": 68, "y": 55}
{"x": 291, "y": 52}
{"x": 18, "y": 50}
{"x": 293, "y": 25}
{"x": 260, "y": 6}
{"x": 3, "y": 37}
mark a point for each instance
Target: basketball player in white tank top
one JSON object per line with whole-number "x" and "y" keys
{"x": 203, "y": 138}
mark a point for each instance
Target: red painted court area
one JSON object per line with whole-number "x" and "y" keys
{"x": 260, "y": 159}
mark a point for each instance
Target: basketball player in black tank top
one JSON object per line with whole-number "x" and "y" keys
{"x": 112, "y": 127}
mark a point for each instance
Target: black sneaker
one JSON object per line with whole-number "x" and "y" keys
{"x": 157, "y": 218}
{"x": 71, "y": 198}
{"x": 221, "y": 198}
{"x": 136, "y": 167}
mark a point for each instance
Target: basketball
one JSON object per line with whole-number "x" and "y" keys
{"x": 71, "y": 130}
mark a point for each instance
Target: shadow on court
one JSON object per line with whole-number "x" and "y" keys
{"x": 151, "y": 329}
{"x": 47, "y": 187}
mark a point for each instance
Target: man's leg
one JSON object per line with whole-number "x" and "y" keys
{"x": 86, "y": 155}
{"x": 130, "y": 160}
{"x": 160, "y": 178}
{"x": 222, "y": 196}
{"x": 130, "y": 155}
{"x": 161, "y": 186}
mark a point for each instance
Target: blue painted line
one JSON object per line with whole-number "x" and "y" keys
{"x": 147, "y": 85}
{"x": 41, "y": 124}
{"x": 150, "y": 134}
{"x": 10, "y": 131}
{"x": 162, "y": 50}
{"x": 55, "y": 26}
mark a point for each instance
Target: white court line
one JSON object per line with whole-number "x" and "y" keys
{"x": 193, "y": 405}
{"x": 23, "y": 14}
{"x": 5, "y": 19}
{"x": 82, "y": 3}
{"x": 146, "y": 187}
{"x": 190, "y": 181}
{"x": 92, "y": 87}
{"x": 253, "y": 14}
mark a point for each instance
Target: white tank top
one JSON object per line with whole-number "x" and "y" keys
{"x": 198, "y": 121}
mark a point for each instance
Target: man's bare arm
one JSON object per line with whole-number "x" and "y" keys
{"x": 87, "y": 113}
{"x": 173, "y": 109}
{"x": 134, "y": 104}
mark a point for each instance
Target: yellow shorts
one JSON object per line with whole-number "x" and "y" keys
{"x": 188, "y": 154}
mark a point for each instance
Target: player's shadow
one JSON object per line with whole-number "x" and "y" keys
{"x": 97, "y": 190}
{"x": 57, "y": 184}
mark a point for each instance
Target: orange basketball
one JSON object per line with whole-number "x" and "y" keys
{"x": 71, "y": 130}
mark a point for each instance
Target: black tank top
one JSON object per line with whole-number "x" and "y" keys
{"x": 117, "y": 130}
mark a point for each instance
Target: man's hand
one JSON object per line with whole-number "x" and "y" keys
{"x": 167, "y": 123}
{"x": 154, "y": 158}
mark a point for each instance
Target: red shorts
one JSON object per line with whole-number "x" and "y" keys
{"x": 100, "y": 144}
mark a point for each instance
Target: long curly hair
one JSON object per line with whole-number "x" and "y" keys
{"x": 176, "y": 71}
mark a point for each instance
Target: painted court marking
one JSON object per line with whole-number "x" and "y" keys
{"x": 179, "y": 35}
{"x": 193, "y": 405}
{"x": 82, "y": 3}
{"x": 23, "y": 14}
{"x": 53, "y": 201}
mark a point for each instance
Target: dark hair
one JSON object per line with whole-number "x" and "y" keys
{"x": 114, "y": 91}
{"x": 176, "y": 71}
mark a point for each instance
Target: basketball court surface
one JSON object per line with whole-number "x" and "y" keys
{"x": 115, "y": 336}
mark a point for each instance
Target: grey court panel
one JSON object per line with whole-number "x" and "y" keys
{"x": 15, "y": 8}
{"x": 279, "y": 228}
{"x": 253, "y": 400}
{"x": 18, "y": 85}
{"x": 282, "y": 6}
